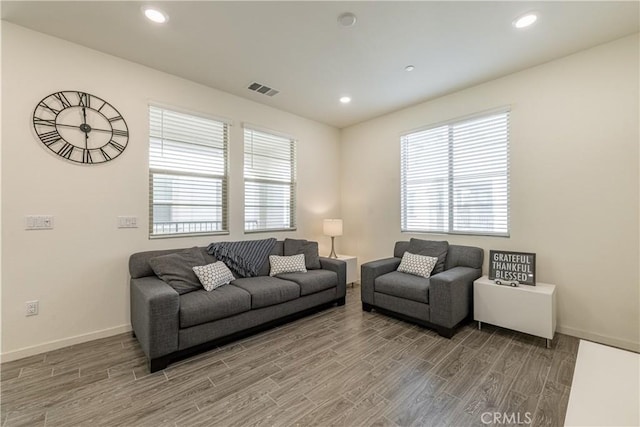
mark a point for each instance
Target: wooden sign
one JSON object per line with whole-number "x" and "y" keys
{"x": 511, "y": 266}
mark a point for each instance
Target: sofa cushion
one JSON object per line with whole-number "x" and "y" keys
{"x": 287, "y": 264}
{"x": 464, "y": 256}
{"x": 267, "y": 290}
{"x": 214, "y": 275}
{"x": 201, "y": 306}
{"x": 312, "y": 281}
{"x": 309, "y": 249}
{"x": 176, "y": 269}
{"x": 418, "y": 265}
{"x": 403, "y": 285}
{"x": 432, "y": 248}
{"x": 400, "y": 248}
{"x": 278, "y": 249}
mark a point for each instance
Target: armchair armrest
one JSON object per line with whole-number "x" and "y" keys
{"x": 368, "y": 273}
{"x": 451, "y": 295}
{"x": 155, "y": 308}
{"x": 340, "y": 267}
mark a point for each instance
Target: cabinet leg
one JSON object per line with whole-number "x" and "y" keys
{"x": 479, "y": 325}
{"x": 548, "y": 343}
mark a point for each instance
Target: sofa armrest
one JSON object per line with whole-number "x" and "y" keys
{"x": 368, "y": 273}
{"x": 155, "y": 308}
{"x": 340, "y": 267}
{"x": 451, "y": 295}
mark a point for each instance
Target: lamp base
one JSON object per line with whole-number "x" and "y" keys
{"x": 333, "y": 251}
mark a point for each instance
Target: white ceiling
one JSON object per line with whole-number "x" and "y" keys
{"x": 299, "y": 49}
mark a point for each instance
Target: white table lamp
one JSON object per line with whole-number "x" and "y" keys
{"x": 333, "y": 228}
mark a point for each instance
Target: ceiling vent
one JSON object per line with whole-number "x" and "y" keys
{"x": 260, "y": 88}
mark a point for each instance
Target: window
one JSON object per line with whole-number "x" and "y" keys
{"x": 269, "y": 181}
{"x": 455, "y": 177}
{"x": 187, "y": 174}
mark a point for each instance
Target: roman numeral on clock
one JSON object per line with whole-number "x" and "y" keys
{"x": 44, "y": 122}
{"x": 85, "y": 99}
{"x": 66, "y": 150}
{"x": 50, "y": 138}
{"x": 115, "y": 119}
{"x": 115, "y": 145}
{"x": 46, "y": 106}
{"x": 105, "y": 155}
{"x": 118, "y": 132}
{"x": 63, "y": 99}
{"x": 86, "y": 156}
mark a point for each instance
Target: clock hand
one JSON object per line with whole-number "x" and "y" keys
{"x": 86, "y": 134}
{"x": 67, "y": 126}
{"x": 101, "y": 130}
{"x": 80, "y": 127}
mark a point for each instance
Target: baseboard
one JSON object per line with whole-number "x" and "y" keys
{"x": 601, "y": 339}
{"x": 65, "y": 342}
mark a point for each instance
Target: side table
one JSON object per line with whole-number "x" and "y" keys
{"x": 352, "y": 267}
{"x": 528, "y": 309}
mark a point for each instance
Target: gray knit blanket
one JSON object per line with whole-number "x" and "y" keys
{"x": 245, "y": 257}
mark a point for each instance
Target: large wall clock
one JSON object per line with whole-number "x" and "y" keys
{"x": 80, "y": 127}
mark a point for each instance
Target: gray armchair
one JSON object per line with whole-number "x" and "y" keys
{"x": 440, "y": 302}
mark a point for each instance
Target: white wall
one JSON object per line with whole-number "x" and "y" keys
{"x": 1, "y": 23}
{"x": 78, "y": 271}
{"x": 574, "y": 182}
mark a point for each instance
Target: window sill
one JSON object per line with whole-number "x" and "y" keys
{"x": 173, "y": 236}
{"x": 456, "y": 233}
{"x": 269, "y": 230}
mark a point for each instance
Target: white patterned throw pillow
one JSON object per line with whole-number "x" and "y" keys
{"x": 418, "y": 265}
{"x": 214, "y": 275}
{"x": 287, "y": 264}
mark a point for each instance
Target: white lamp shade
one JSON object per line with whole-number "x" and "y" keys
{"x": 332, "y": 227}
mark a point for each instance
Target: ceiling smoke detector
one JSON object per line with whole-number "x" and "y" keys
{"x": 260, "y": 88}
{"x": 347, "y": 19}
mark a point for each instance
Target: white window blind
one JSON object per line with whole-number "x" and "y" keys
{"x": 187, "y": 174}
{"x": 455, "y": 177}
{"x": 269, "y": 181}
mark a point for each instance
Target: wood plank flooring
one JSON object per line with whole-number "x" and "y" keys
{"x": 340, "y": 367}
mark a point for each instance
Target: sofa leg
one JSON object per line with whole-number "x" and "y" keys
{"x": 133, "y": 334}
{"x": 366, "y": 307}
{"x": 445, "y": 332}
{"x": 158, "y": 364}
{"x": 342, "y": 301}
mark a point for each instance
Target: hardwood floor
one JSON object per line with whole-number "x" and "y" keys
{"x": 340, "y": 367}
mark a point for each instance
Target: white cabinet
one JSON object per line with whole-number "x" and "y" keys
{"x": 352, "y": 267}
{"x": 528, "y": 309}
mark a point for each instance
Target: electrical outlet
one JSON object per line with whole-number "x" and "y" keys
{"x": 32, "y": 308}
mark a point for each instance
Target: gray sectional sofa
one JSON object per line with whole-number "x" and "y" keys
{"x": 440, "y": 302}
{"x": 171, "y": 326}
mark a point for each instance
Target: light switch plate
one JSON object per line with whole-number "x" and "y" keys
{"x": 39, "y": 222}
{"x": 127, "y": 222}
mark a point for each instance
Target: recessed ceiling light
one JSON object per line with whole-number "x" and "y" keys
{"x": 409, "y": 68}
{"x": 347, "y": 19}
{"x": 525, "y": 20}
{"x": 155, "y": 15}
{"x": 345, "y": 99}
